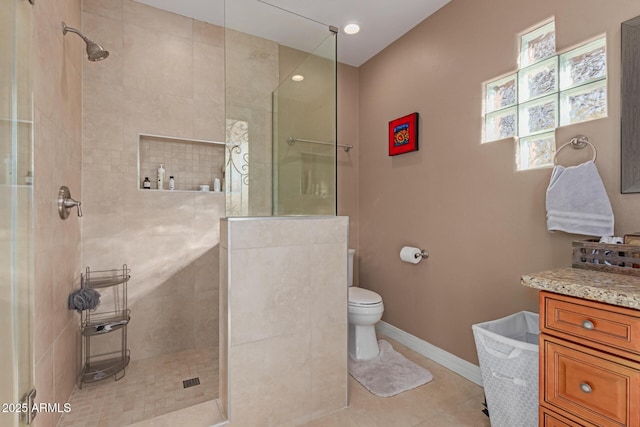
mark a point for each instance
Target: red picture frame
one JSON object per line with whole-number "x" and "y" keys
{"x": 403, "y": 135}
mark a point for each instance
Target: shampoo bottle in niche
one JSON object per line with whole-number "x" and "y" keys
{"x": 172, "y": 183}
{"x": 161, "y": 177}
{"x": 216, "y": 184}
{"x": 146, "y": 184}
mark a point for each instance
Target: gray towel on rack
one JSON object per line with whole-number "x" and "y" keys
{"x": 577, "y": 201}
{"x": 83, "y": 299}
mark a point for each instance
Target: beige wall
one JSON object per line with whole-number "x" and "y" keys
{"x": 483, "y": 222}
{"x": 58, "y": 148}
{"x": 165, "y": 76}
{"x": 287, "y": 333}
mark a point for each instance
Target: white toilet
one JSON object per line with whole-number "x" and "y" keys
{"x": 365, "y": 310}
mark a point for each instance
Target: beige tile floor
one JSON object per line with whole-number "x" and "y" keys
{"x": 203, "y": 414}
{"x": 448, "y": 401}
{"x": 150, "y": 388}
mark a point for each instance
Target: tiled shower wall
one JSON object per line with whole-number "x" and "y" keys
{"x": 57, "y": 89}
{"x": 284, "y": 281}
{"x": 165, "y": 76}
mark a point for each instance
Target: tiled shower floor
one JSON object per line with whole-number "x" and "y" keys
{"x": 447, "y": 401}
{"x": 151, "y": 387}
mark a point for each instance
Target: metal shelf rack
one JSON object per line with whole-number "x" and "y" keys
{"x": 111, "y": 316}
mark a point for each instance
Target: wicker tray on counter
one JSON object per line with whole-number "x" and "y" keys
{"x": 610, "y": 258}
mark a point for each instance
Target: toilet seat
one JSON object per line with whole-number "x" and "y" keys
{"x": 363, "y": 297}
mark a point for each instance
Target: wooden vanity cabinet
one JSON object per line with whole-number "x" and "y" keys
{"x": 589, "y": 363}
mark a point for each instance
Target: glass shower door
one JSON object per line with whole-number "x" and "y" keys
{"x": 264, "y": 107}
{"x": 16, "y": 209}
{"x": 304, "y": 136}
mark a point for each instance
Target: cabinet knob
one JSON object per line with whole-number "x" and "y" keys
{"x": 588, "y": 324}
{"x": 586, "y": 388}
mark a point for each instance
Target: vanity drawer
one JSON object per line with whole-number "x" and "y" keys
{"x": 593, "y": 321}
{"x": 600, "y": 388}
{"x": 551, "y": 419}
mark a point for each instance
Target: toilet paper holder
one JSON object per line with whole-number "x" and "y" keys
{"x": 412, "y": 254}
{"x": 423, "y": 254}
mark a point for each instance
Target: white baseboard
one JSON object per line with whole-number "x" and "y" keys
{"x": 438, "y": 355}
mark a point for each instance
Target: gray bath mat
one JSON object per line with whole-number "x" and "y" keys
{"x": 389, "y": 373}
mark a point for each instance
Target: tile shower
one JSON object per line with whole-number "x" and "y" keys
{"x": 152, "y": 387}
{"x": 169, "y": 240}
{"x": 137, "y": 115}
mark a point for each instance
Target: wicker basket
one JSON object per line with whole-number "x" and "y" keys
{"x": 610, "y": 258}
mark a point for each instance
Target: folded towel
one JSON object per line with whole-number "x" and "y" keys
{"x": 83, "y": 299}
{"x": 577, "y": 201}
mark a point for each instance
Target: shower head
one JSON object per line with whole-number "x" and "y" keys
{"x": 95, "y": 52}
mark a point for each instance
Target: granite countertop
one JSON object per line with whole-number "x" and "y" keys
{"x": 617, "y": 289}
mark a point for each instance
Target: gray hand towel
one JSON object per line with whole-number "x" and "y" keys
{"x": 83, "y": 299}
{"x": 577, "y": 201}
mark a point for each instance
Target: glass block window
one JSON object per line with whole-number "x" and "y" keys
{"x": 538, "y": 79}
{"x": 502, "y": 124}
{"x": 536, "y": 151}
{"x": 502, "y": 93}
{"x": 537, "y": 45}
{"x": 586, "y": 102}
{"x": 583, "y": 65}
{"x": 538, "y": 116}
{"x": 547, "y": 91}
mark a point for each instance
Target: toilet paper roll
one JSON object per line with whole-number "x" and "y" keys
{"x": 410, "y": 254}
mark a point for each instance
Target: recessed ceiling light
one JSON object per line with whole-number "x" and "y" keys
{"x": 297, "y": 78}
{"x": 351, "y": 28}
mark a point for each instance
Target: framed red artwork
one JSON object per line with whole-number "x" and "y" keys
{"x": 403, "y": 135}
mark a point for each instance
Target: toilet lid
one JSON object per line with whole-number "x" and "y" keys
{"x": 363, "y": 296}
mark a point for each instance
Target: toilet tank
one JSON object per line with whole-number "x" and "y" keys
{"x": 351, "y": 255}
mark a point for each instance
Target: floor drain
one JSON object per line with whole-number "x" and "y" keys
{"x": 191, "y": 382}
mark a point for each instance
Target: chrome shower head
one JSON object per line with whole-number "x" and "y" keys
{"x": 95, "y": 52}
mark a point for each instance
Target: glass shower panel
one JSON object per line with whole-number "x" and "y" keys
{"x": 304, "y": 134}
{"x": 16, "y": 204}
{"x": 263, "y": 45}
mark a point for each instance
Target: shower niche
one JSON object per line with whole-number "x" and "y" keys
{"x": 193, "y": 163}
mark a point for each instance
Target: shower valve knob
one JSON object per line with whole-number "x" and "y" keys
{"x": 69, "y": 203}
{"x": 65, "y": 203}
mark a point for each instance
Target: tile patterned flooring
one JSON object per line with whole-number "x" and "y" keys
{"x": 448, "y": 401}
{"x": 150, "y": 388}
{"x": 203, "y": 414}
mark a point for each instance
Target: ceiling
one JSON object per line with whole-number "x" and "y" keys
{"x": 381, "y": 22}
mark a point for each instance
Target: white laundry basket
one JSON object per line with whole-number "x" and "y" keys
{"x": 508, "y": 353}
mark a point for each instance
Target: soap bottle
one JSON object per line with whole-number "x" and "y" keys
{"x": 216, "y": 184}
{"x": 161, "y": 177}
{"x": 172, "y": 183}
{"x": 28, "y": 179}
{"x": 146, "y": 185}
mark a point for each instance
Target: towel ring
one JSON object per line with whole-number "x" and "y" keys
{"x": 577, "y": 143}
